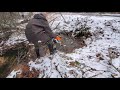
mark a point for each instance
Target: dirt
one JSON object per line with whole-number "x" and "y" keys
{"x": 69, "y": 44}
{"x": 8, "y": 61}
{"x": 2, "y": 61}
{"x": 26, "y": 73}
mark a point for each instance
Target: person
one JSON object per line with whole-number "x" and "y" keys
{"x": 39, "y": 33}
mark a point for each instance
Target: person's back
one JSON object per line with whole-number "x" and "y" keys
{"x": 38, "y": 26}
{"x": 38, "y": 29}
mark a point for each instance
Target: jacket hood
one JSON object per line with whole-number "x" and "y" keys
{"x": 39, "y": 16}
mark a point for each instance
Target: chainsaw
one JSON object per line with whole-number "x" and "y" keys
{"x": 58, "y": 44}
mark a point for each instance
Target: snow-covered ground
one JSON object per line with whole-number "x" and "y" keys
{"x": 15, "y": 38}
{"x": 91, "y": 61}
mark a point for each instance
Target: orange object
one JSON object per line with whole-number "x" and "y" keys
{"x": 58, "y": 38}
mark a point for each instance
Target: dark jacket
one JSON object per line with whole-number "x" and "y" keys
{"x": 38, "y": 29}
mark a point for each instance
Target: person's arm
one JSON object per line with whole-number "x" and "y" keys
{"x": 49, "y": 31}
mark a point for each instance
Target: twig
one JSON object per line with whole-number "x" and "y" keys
{"x": 52, "y": 20}
{"x": 95, "y": 75}
{"x": 112, "y": 76}
{"x": 63, "y": 17}
{"x": 12, "y": 63}
{"x": 113, "y": 66}
{"x": 58, "y": 71}
{"x": 52, "y": 24}
{"x": 56, "y": 26}
{"x": 23, "y": 56}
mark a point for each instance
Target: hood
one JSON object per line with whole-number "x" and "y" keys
{"x": 39, "y": 16}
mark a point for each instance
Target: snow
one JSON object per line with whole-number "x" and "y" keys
{"x": 89, "y": 65}
{"x": 116, "y": 62}
{"x": 16, "y": 38}
{"x": 22, "y": 26}
{"x": 13, "y": 73}
{"x": 73, "y": 19}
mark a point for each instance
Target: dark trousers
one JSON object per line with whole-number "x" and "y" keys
{"x": 40, "y": 48}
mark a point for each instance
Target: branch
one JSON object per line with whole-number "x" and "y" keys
{"x": 58, "y": 71}
{"x": 63, "y": 17}
{"x": 95, "y": 75}
{"x": 52, "y": 20}
{"x": 56, "y": 26}
{"x": 113, "y": 66}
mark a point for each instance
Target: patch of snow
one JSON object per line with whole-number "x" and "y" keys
{"x": 16, "y": 38}
{"x": 92, "y": 21}
{"x": 116, "y": 63}
{"x": 13, "y": 74}
{"x": 22, "y": 26}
